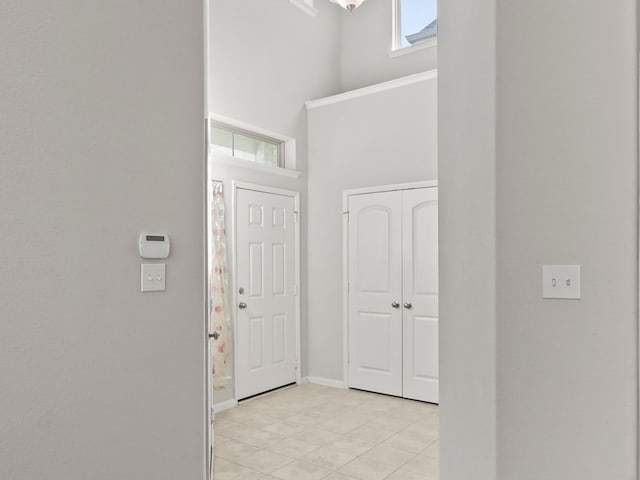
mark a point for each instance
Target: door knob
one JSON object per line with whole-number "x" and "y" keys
{"x": 395, "y": 305}
{"x": 242, "y": 305}
{"x": 408, "y": 305}
{"x": 214, "y": 335}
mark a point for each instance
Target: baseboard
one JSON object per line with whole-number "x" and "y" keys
{"x": 327, "y": 382}
{"x": 226, "y": 405}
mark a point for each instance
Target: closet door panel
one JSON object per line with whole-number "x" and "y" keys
{"x": 420, "y": 294}
{"x": 375, "y": 276}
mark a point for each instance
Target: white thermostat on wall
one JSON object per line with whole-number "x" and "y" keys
{"x": 154, "y": 245}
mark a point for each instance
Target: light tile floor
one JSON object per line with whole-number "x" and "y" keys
{"x": 311, "y": 432}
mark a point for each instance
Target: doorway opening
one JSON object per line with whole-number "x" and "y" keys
{"x": 351, "y": 130}
{"x": 266, "y": 259}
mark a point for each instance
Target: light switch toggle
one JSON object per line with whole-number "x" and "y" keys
{"x": 561, "y": 281}
{"x": 153, "y": 277}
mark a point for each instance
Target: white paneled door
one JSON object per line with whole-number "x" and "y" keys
{"x": 393, "y": 293}
{"x": 375, "y": 284}
{"x": 420, "y": 294}
{"x": 266, "y": 282}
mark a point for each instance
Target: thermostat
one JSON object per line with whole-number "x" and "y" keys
{"x": 154, "y": 245}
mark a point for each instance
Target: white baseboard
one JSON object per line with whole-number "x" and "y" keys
{"x": 226, "y": 405}
{"x": 327, "y": 382}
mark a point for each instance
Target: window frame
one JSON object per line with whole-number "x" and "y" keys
{"x": 281, "y": 160}
{"x": 287, "y": 161}
{"x": 396, "y": 42}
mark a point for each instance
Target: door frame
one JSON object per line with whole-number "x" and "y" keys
{"x": 345, "y": 255}
{"x": 239, "y": 185}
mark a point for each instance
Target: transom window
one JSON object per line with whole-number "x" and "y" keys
{"x": 246, "y": 145}
{"x": 415, "y": 21}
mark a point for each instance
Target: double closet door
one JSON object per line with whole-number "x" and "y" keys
{"x": 393, "y": 293}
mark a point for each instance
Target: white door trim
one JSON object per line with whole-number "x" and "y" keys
{"x": 638, "y": 259}
{"x": 345, "y": 255}
{"x": 208, "y": 397}
{"x": 235, "y": 186}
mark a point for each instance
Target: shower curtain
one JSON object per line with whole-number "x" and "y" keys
{"x": 220, "y": 316}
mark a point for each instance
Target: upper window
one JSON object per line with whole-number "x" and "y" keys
{"x": 415, "y": 22}
{"x": 246, "y": 145}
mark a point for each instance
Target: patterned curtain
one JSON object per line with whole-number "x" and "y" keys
{"x": 219, "y": 282}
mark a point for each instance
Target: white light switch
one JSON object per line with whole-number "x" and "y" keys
{"x": 561, "y": 281}
{"x": 153, "y": 277}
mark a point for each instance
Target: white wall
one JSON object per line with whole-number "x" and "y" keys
{"x": 567, "y": 193}
{"x": 466, "y": 168}
{"x": 538, "y": 165}
{"x": 261, "y": 74}
{"x": 365, "y": 45}
{"x": 100, "y": 138}
{"x": 380, "y": 139}
{"x": 268, "y": 58}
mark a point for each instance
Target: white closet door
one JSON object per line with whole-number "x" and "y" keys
{"x": 375, "y": 275}
{"x": 265, "y": 314}
{"x": 420, "y": 294}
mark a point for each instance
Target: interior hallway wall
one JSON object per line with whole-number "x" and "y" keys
{"x": 366, "y": 37}
{"x": 567, "y": 193}
{"x": 266, "y": 59}
{"x": 536, "y": 388}
{"x": 467, "y": 244}
{"x": 101, "y": 138}
{"x": 380, "y": 139}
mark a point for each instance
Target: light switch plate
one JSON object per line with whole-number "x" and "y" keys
{"x": 153, "y": 277}
{"x": 561, "y": 281}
